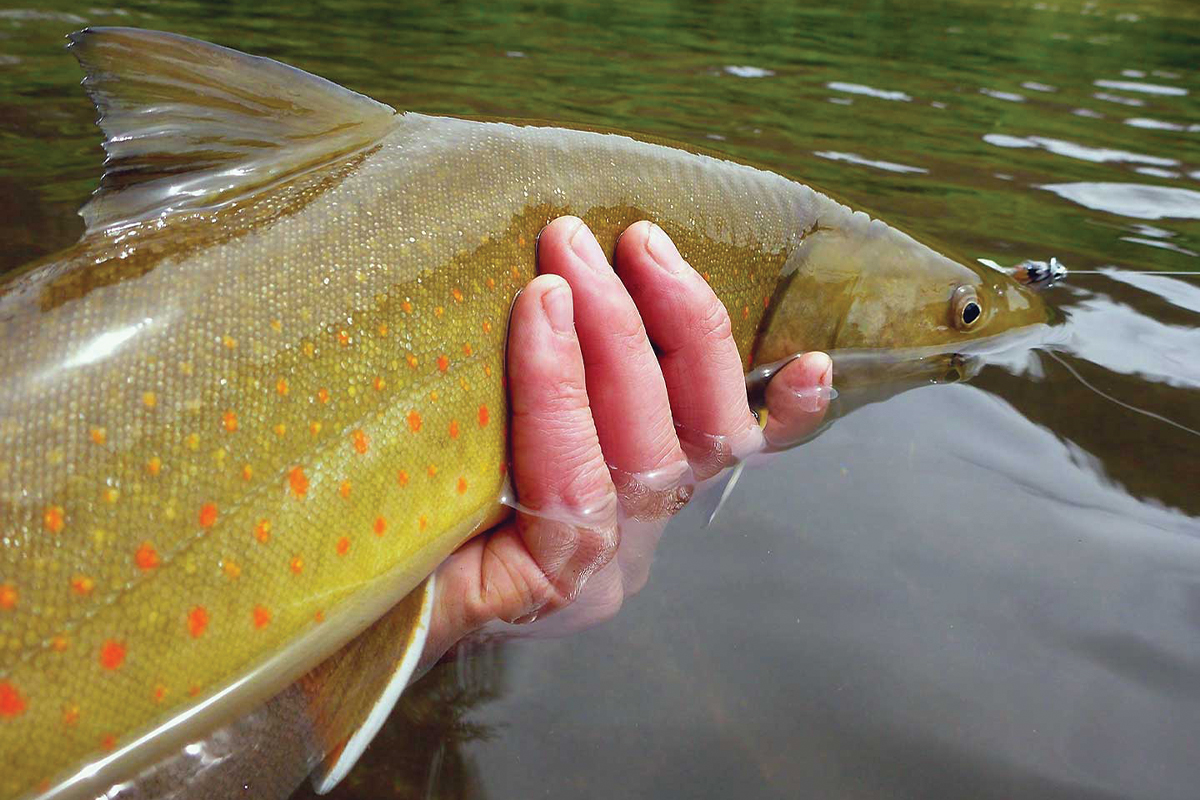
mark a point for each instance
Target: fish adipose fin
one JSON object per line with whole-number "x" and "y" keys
{"x": 190, "y": 125}
{"x": 388, "y": 652}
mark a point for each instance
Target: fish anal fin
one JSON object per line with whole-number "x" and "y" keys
{"x": 191, "y": 125}
{"x": 351, "y": 694}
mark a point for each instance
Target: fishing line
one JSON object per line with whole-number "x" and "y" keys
{"x": 1111, "y": 272}
{"x": 1121, "y": 403}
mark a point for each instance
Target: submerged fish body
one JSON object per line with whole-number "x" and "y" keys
{"x": 263, "y": 397}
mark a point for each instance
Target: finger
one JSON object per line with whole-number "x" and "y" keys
{"x": 797, "y": 398}
{"x": 699, "y": 359}
{"x": 624, "y": 382}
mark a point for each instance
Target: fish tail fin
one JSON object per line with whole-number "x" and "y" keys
{"x": 189, "y": 125}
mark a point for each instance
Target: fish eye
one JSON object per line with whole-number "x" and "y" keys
{"x": 966, "y": 309}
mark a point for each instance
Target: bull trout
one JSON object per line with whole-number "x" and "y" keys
{"x": 263, "y": 397}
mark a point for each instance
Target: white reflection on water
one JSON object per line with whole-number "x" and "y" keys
{"x": 747, "y": 71}
{"x": 1157, "y": 172}
{"x": 1008, "y": 96}
{"x": 1098, "y": 155}
{"x": 858, "y": 88}
{"x": 852, "y": 158}
{"x": 1116, "y": 98}
{"x": 1145, "y": 88}
{"x": 1140, "y": 201}
{"x": 1034, "y": 86}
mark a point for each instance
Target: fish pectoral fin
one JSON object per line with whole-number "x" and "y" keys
{"x": 351, "y": 694}
{"x": 191, "y": 125}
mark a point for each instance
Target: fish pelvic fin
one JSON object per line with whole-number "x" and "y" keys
{"x": 190, "y": 125}
{"x": 378, "y": 665}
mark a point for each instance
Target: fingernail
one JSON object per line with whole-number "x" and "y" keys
{"x": 585, "y": 246}
{"x": 826, "y": 378}
{"x": 556, "y": 303}
{"x": 663, "y": 251}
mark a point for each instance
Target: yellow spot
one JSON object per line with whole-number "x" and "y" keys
{"x": 277, "y": 325}
{"x": 360, "y": 441}
{"x": 706, "y": 278}
{"x": 154, "y": 466}
{"x": 197, "y": 621}
{"x": 70, "y": 716}
{"x": 262, "y": 617}
{"x": 453, "y": 429}
{"x": 280, "y": 429}
{"x": 229, "y": 342}
{"x": 262, "y": 531}
{"x": 412, "y": 361}
{"x": 383, "y": 329}
{"x": 231, "y": 570}
{"x": 433, "y": 395}
{"x": 402, "y": 477}
{"x": 112, "y": 654}
{"x": 344, "y": 489}
{"x": 487, "y": 370}
{"x": 109, "y": 495}
{"x": 414, "y": 422}
{"x": 229, "y": 421}
{"x": 438, "y": 311}
{"x": 192, "y": 442}
{"x": 82, "y": 585}
{"x": 298, "y": 481}
{"x": 343, "y": 546}
{"x": 296, "y": 565}
{"x": 186, "y": 369}
{"x": 159, "y": 692}
{"x": 314, "y": 428}
{"x": 521, "y": 241}
{"x": 146, "y": 557}
{"x": 487, "y": 326}
{"x": 432, "y": 470}
{"x": 8, "y": 597}
{"x": 309, "y": 349}
{"x": 59, "y": 643}
{"x": 53, "y": 519}
{"x": 422, "y": 523}
{"x": 483, "y": 416}
{"x": 379, "y": 383}
{"x": 343, "y": 337}
{"x": 281, "y": 386}
{"x": 99, "y": 435}
{"x": 323, "y": 396}
{"x": 149, "y": 399}
{"x": 208, "y": 515}
{"x": 458, "y": 295}
{"x": 462, "y": 485}
{"x": 516, "y": 274}
{"x": 247, "y": 472}
{"x": 380, "y": 526}
{"x": 443, "y": 363}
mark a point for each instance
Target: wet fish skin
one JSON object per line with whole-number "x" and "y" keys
{"x": 243, "y": 422}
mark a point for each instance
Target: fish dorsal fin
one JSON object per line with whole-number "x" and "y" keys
{"x": 191, "y": 125}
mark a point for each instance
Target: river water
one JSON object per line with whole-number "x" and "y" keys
{"x": 988, "y": 589}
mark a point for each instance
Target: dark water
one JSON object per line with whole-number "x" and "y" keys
{"x": 987, "y": 590}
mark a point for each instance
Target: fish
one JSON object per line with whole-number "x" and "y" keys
{"x": 263, "y": 397}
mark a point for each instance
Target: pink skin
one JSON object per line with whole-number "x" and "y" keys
{"x": 593, "y": 406}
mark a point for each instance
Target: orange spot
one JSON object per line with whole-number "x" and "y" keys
{"x": 197, "y": 621}
{"x": 379, "y": 383}
{"x": 70, "y": 716}
{"x": 323, "y": 396}
{"x": 422, "y": 523}
{"x": 380, "y": 526}
{"x": 414, "y": 421}
{"x": 462, "y": 485}
{"x": 108, "y": 742}
{"x": 82, "y": 585}
{"x": 745, "y": 312}
{"x": 281, "y": 387}
{"x": 360, "y": 441}
{"x": 458, "y": 295}
{"x": 158, "y": 693}
{"x": 438, "y": 311}
{"x": 277, "y": 325}
{"x": 229, "y": 342}
{"x": 491, "y": 283}
{"x": 343, "y": 337}
{"x": 193, "y": 690}
{"x": 319, "y": 616}
{"x": 503, "y": 467}
{"x": 309, "y": 349}
{"x": 466, "y": 349}
{"x": 262, "y": 617}
{"x": 443, "y": 363}
{"x": 231, "y": 570}
{"x": 383, "y": 329}
{"x": 109, "y": 496}
{"x": 146, "y": 556}
{"x": 344, "y": 489}
{"x": 433, "y": 395}
{"x": 12, "y": 704}
{"x": 343, "y": 546}
{"x": 229, "y": 421}
{"x": 112, "y": 654}
{"x": 766, "y": 300}
{"x": 487, "y": 326}
{"x": 432, "y": 470}
{"x": 402, "y": 477}
{"x": 280, "y": 429}
{"x": 412, "y": 361}
{"x": 407, "y": 306}
{"x": 298, "y": 481}
{"x": 515, "y": 273}
{"x": 208, "y": 515}
{"x": 314, "y": 428}
{"x": 154, "y": 466}
{"x": 262, "y": 531}
{"x": 59, "y": 643}
{"x": 483, "y": 416}
{"x": 8, "y": 597}
{"x": 453, "y": 429}
{"x": 247, "y": 472}
{"x": 487, "y": 370}
{"x": 149, "y": 399}
{"x": 99, "y": 435}
{"x": 192, "y": 441}
{"x": 296, "y": 565}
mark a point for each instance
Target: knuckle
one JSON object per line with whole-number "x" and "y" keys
{"x": 711, "y": 321}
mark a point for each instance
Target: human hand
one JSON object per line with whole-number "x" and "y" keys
{"x": 625, "y": 390}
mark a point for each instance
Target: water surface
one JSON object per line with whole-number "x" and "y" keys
{"x": 989, "y": 589}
